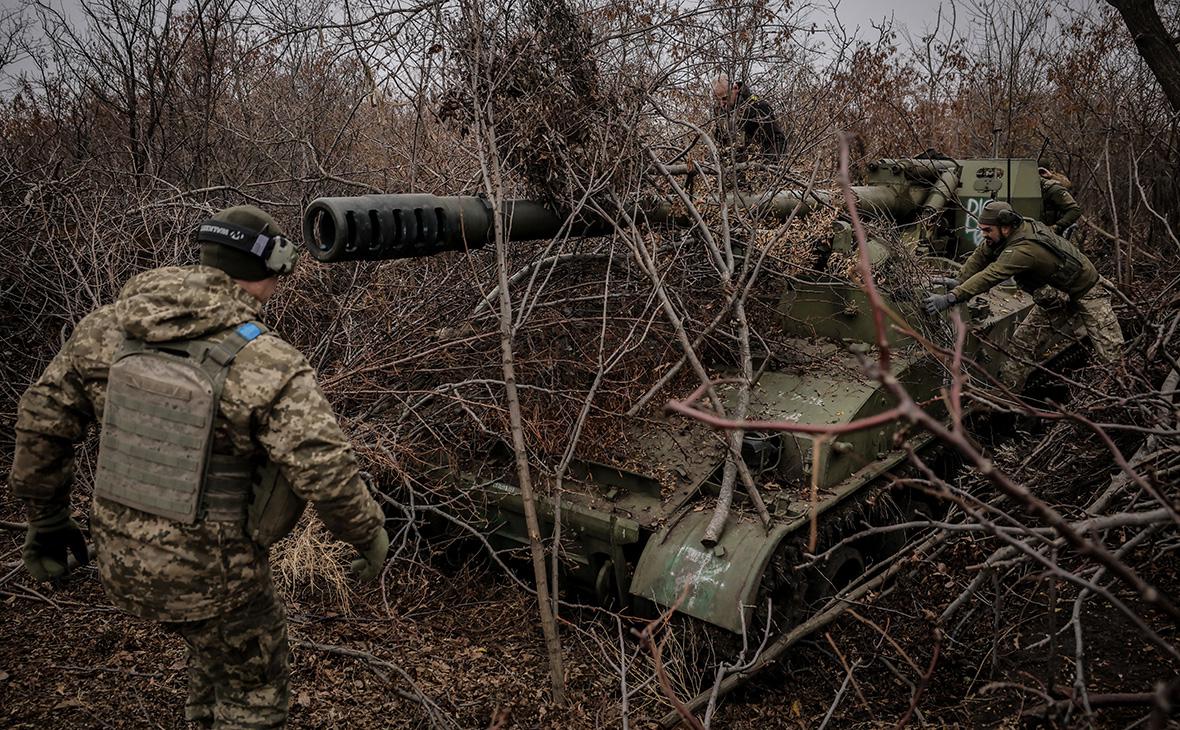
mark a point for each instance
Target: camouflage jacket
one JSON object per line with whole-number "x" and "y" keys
{"x": 271, "y": 407}
{"x": 1022, "y": 258}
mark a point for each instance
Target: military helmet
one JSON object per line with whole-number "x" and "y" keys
{"x": 246, "y": 243}
{"x": 998, "y": 213}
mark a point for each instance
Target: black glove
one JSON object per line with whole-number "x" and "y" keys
{"x": 46, "y": 543}
{"x": 935, "y": 303}
{"x": 948, "y": 281}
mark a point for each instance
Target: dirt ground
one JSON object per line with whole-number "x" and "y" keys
{"x": 448, "y": 628}
{"x": 461, "y": 635}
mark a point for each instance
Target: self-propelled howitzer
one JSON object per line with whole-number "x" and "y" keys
{"x": 636, "y": 531}
{"x": 378, "y": 227}
{"x": 942, "y": 195}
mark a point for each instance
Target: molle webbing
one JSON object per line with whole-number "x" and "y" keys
{"x": 228, "y": 481}
{"x": 157, "y": 434}
{"x": 1069, "y": 259}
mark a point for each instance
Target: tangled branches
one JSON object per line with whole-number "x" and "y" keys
{"x": 562, "y": 118}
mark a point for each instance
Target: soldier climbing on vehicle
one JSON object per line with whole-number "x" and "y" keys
{"x": 739, "y": 110}
{"x": 1061, "y": 279}
{"x": 1061, "y": 211}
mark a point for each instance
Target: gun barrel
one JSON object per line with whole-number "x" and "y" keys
{"x": 915, "y": 168}
{"x": 942, "y": 191}
{"x": 371, "y": 227}
{"x": 380, "y": 227}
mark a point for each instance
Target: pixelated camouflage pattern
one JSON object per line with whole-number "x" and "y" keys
{"x": 271, "y": 406}
{"x": 1048, "y": 324}
{"x": 238, "y": 666}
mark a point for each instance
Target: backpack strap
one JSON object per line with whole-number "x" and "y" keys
{"x": 216, "y": 357}
{"x": 228, "y": 479}
{"x": 224, "y": 352}
{"x": 130, "y": 346}
{"x": 1069, "y": 261}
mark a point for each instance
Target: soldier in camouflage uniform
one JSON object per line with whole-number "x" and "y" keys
{"x": 1061, "y": 211}
{"x": 206, "y": 578}
{"x": 1062, "y": 280}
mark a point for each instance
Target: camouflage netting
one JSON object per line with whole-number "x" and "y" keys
{"x": 558, "y": 119}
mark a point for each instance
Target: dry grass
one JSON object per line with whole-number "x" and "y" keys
{"x": 310, "y": 561}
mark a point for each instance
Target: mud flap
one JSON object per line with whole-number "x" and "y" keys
{"x": 718, "y": 585}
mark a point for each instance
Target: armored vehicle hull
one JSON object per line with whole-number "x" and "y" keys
{"x": 635, "y": 528}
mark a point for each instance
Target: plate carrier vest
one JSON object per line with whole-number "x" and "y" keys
{"x": 156, "y": 449}
{"x": 1069, "y": 258}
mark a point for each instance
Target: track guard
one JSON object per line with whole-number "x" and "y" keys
{"x": 719, "y": 585}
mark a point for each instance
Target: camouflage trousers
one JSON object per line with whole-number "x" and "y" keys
{"x": 238, "y": 666}
{"x": 1043, "y": 325}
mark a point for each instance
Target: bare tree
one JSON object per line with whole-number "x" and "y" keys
{"x": 1159, "y": 47}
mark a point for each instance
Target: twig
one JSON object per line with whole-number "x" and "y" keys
{"x": 489, "y": 159}
{"x": 844, "y": 663}
{"x": 682, "y": 711}
{"x": 923, "y": 682}
{"x": 885, "y": 635}
{"x": 831, "y": 611}
{"x": 839, "y": 694}
{"x": 433, "y": 711}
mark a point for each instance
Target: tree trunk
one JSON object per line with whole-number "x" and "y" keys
{"x": 494, "y": 184}
{"x": 1157, "y": 46}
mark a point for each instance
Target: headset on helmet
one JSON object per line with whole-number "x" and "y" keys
{"x": 1009, "y": 218}
{"x": 277, "y": 252}
{"x": 1003, "y": 213}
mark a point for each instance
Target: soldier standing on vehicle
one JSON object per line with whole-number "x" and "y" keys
{"x": 1061, "y": 211}
{"x": 740, "y": 110}
{"x": 213, "y": 434}
{"x": 1062, "y": 280}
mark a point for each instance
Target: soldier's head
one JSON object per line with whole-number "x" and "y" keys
{"x": 997, "y": 220}
{"x": 246, "y": 243}
{"x": 1053, "y": 176}
{"x": 725, "y": 92}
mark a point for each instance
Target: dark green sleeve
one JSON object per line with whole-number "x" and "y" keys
{"x": 1010, "y": 262}
{"x": 1070, "y": 210}
{"x": 975, "y": 263}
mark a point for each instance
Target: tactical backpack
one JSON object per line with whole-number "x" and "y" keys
{"x": 155, "y": 452}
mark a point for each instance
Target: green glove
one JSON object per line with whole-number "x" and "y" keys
{"x": 47, "y": 543}
{"x": 368, "y": 565}
{"x": 949, "y": 282}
